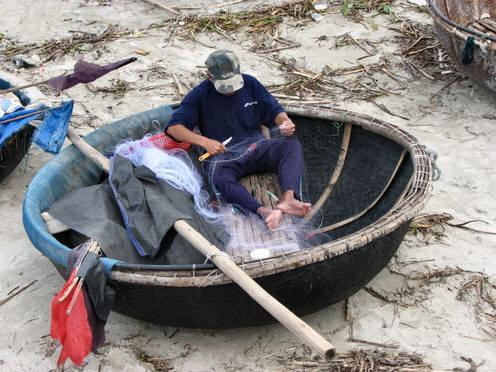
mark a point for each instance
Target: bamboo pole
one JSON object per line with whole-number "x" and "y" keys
{"x": 293, "y": 323}
{"x": 333, "y": 179}
{"x": 23, "y": 116}
{"x": 15, "y": 89}
{"x": 160, "y": 5}
{"x": 88, "y": 150}
{"x": 297, "y": 326}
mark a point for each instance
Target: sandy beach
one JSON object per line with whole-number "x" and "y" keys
{"x": 431, "y": 305}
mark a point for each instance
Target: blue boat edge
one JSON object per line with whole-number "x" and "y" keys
{"x": 59, "y": 177}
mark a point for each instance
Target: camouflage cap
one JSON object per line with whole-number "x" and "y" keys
{"x": 223, "y": 68}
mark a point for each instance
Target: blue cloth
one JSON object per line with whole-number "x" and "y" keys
{"x": 51, "y": 134}
{"x": 220, "y": 116}
{"x": 9, "y": 129}
{"x": 283, "y": 156}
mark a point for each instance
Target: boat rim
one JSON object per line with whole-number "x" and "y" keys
{"x": 462, "y": 30}
{"x": 201, "y": 275}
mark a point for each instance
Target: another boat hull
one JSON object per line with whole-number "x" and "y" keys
{"x": 14, "y": 150}
{"x": 16, "y": 146}
{"x": 481, "y": 68}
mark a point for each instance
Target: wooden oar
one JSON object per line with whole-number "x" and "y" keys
{"x": 297, "y": 326}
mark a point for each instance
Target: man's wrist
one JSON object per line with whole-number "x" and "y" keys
{"x": 202, "y": 141}
{"x": 281, "y": 118}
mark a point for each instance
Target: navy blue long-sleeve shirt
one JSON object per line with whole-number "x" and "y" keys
{"x": 220, "y": 116}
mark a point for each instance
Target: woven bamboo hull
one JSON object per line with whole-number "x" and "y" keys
{"x": 454, "y": 31}
{"x": 14, "y": 151}
{"x": 17, "y": 146}
{"x": 304, "y": 290}
{"x": 200, "y": 296}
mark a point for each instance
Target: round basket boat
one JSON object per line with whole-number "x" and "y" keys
{"x": 471, "y": 46}
{"x": 13, "y": 150}
{"x": 384, "y": 180}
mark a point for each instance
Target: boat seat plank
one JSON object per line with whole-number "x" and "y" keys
{"x": 249, "y": 232}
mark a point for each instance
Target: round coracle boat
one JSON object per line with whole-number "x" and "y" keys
{"x": 367, "y": 177}
{"x": 467, "y": 30}
{"x": 14, "y": 148}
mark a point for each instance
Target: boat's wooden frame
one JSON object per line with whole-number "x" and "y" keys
{"x": 454, "y": 33}
{"x": 305, "y": 281}
{"x": 405, "y": 210}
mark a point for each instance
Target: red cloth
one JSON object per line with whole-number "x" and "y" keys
{"x": 72, "y": 331}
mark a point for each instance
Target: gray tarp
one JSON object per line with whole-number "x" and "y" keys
{"x": 150, "y": 208}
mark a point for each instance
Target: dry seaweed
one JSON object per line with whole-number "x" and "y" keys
{"x": 52, "y": 49}
{"x": 357, "y": 8}
{"x": 424, "y": 56}
{"x": 427, "y": 227}
{"x": 118, "y": 88}
{"x": 157, "y": 72}
{"x": 358, "y": 360}
{"x": 480, "y": 290}
{"x": 78, "y": 42}
{"x": 257, "y": 21}
{"x": 158, "y": 364}
{"x": 356, "y": 82}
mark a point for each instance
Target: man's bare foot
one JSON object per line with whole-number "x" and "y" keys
{"x": 290, "y": 205}
{"x": 272, "y": 217}
{"x": 295, "y": 207}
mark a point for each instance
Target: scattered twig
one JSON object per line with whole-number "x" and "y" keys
{"x": 424, "y": 54}
{"x": 226, "y": 4}
{"x": 50, "y": 49}
{"x": 481, "y": 291}
{"x": 13, "y": 294}
{"x": 358, "y": 360}
{"x": 387, "y": 111}
{"x": 159, "y": 364}
{"x": 433, "y": 225}
{"x": 160, "y": 5}
{"x": 180, "y": 88}
{"x": 473, "y": 365}
{"x": 382, "y": 297}
{"x": 380, "y": 344}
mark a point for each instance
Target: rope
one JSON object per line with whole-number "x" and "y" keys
{"x": 432, "y": 154}
{"x": 210, "y": 255}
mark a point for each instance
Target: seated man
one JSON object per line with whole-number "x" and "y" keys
{"x": 231, "y": 104}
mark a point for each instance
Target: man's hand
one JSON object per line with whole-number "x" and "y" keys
{"x": 212, "y": 146}
{"x": 287, "y": 127}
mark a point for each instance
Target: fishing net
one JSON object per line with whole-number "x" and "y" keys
{"x": 248, "y": 234}
{"x": 173, "y": 166}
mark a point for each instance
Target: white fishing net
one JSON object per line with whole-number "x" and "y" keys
{"x": 173, "y": 166}
{"x": 248, "y": 234}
